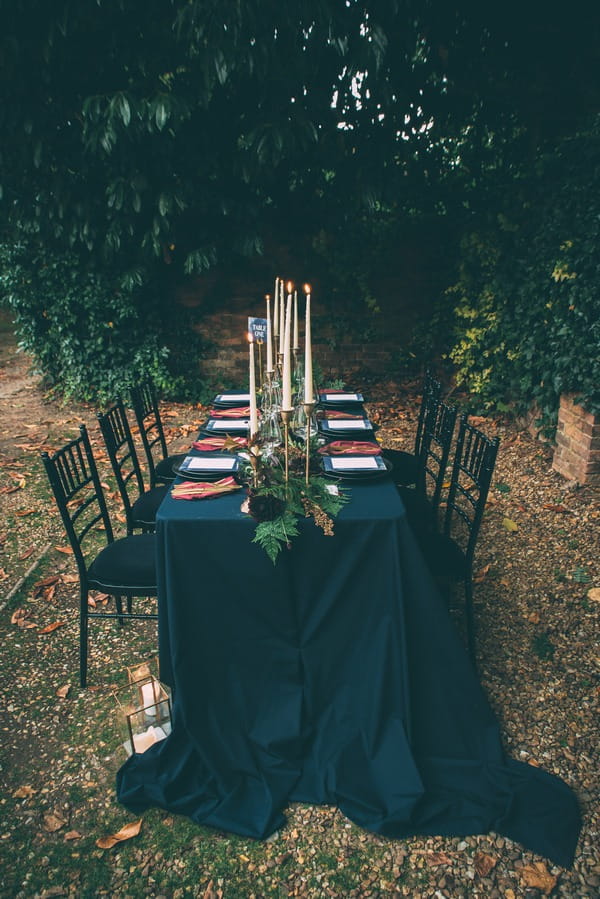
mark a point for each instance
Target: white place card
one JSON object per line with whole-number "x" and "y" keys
{"x": 228, "y": 424}
{"x": 342, "y": 397}
{"x": 232, "y": 398}
{"x": 354, "y": 463}
{"x": 218, "y": 463}
{"x": 348, "y": 424}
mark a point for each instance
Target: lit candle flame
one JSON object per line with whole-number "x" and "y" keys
{"x": 290, "y": 286}
{"x": 307, "y": 288}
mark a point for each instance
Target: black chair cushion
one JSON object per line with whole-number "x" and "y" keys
{"x": 164, "y": 469}
{"x": 418, "y": 511}
{"x": 126, "y": 566}
{"x": 444, "y": 557}
{"x": 144, "y": 509}
{"x": 404, "y": 466}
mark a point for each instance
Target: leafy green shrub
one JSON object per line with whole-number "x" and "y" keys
{"x": 90, "y": 337}
{"x": 526, "y": 302}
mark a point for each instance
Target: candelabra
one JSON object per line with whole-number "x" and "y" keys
{"x": 286, "y": 416}
{"x": 308, "y": 413}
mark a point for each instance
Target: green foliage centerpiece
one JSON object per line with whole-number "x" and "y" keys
{"x": 276, "y": 503}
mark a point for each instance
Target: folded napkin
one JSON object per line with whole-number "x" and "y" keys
{"x": 234, "y": 412}
{"x": 209, "y": 444}
{"x": 203, "y": 489}
{"x": 353, "y": 447}
{"x": 337, "y": 413}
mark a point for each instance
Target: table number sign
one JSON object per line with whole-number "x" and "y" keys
{"x": 257, "y": 329}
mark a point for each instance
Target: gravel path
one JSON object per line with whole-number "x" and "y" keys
{"x": 537, "y": 613}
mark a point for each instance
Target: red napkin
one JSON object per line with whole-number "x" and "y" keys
{"x": 333, "y": 390}
{"x": 209, "y": 444}
{"x": 337, "y": 413}
{"x": 351, "y": 447}
{"x": 203, "y": 489}
{"x": 235, "y": 412}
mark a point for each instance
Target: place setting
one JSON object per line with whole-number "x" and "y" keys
{"x": 336, "y": 427}
{"x": 201, "y": 468}
{"x": 355, "y": 467}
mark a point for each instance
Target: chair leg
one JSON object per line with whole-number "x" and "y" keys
{"x": 470, "y": 619}
{"x": 83, "y": 639}
{"x": 119, "y": 608}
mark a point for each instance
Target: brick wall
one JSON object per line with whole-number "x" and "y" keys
{"x": 336, "y": 356}
{"x": 577, "y": 454}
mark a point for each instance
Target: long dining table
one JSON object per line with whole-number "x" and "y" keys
{"x": 334, "y": 676}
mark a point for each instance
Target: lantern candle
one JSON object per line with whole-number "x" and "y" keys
{"x": 308, "y": 372}
{"x": 253, "y": 412}
{"x": 286, "y": 401}
{"x": 149, "y": 698}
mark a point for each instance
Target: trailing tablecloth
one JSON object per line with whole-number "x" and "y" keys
{"x": 333, "y": 677}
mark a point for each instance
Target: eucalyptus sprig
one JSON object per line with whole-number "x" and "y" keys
{"x": 276, "y": 506}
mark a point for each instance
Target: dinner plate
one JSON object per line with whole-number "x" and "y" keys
{"x": 341, "y": 407}
{"x": 230, "y": 398}
{"x": 352, "y": 427}
{"x": 336, "y": 400}
{"x": 202, "y": 468}
{"x": 358, "y": 474}
{"x": 235, "y": 426}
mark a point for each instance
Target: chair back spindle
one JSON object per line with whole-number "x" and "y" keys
{"x": 120, "y": 447}
{"x": 147, "y": 415}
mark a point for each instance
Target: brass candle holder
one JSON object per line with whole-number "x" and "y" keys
{"x": 254, "y": 453}
{"x": 308, "y": 411}
{"x": 286, "y": 417}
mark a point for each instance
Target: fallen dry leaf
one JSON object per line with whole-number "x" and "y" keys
{"x": 45, "y": 582}
{"x": 52, "y": 823}
{"x": 539, "y": 877}
{"x": 3, "y": 574}
{"x": 211, "y": 893}
{"x": 22, "y": 618}
{"x": 51, "y": 627}
{"x": 64, "y": 549}
{"x": 509, "y": 524}
{"x": 558, "y": 507}
{"x": 72, "y": 835}
{"x": 23, "y": 512}
{"x": 26, "y": 554}
{"x": 481, "y": 575}
{"x": 69, "y": 578}
{"x": 484, "y": 863}
{"x": 63, "y": 692}
{"x": 594, "y": 594}
{"x": 534, "y": 618}
{"x": 24, "y": 792}
{"x": 126, "y": 833}
{"x": 437, "y": 858}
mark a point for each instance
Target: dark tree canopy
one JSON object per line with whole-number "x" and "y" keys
{"x": 131, "y": 127}
{"x": 146, "y": 137}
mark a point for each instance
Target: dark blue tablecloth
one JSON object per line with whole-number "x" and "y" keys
{"x": 336, "y": 677}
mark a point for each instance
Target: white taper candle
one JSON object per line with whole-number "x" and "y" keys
{"x": 269, "y": 336}
{"x": 286, "y": 398}
{"x": 296, "y": 344}
{"x": 276, "y": 309}
{"x": 253, "y": 411}
{"x": 308, "y": 371}
{"x": 282, "y": 318}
